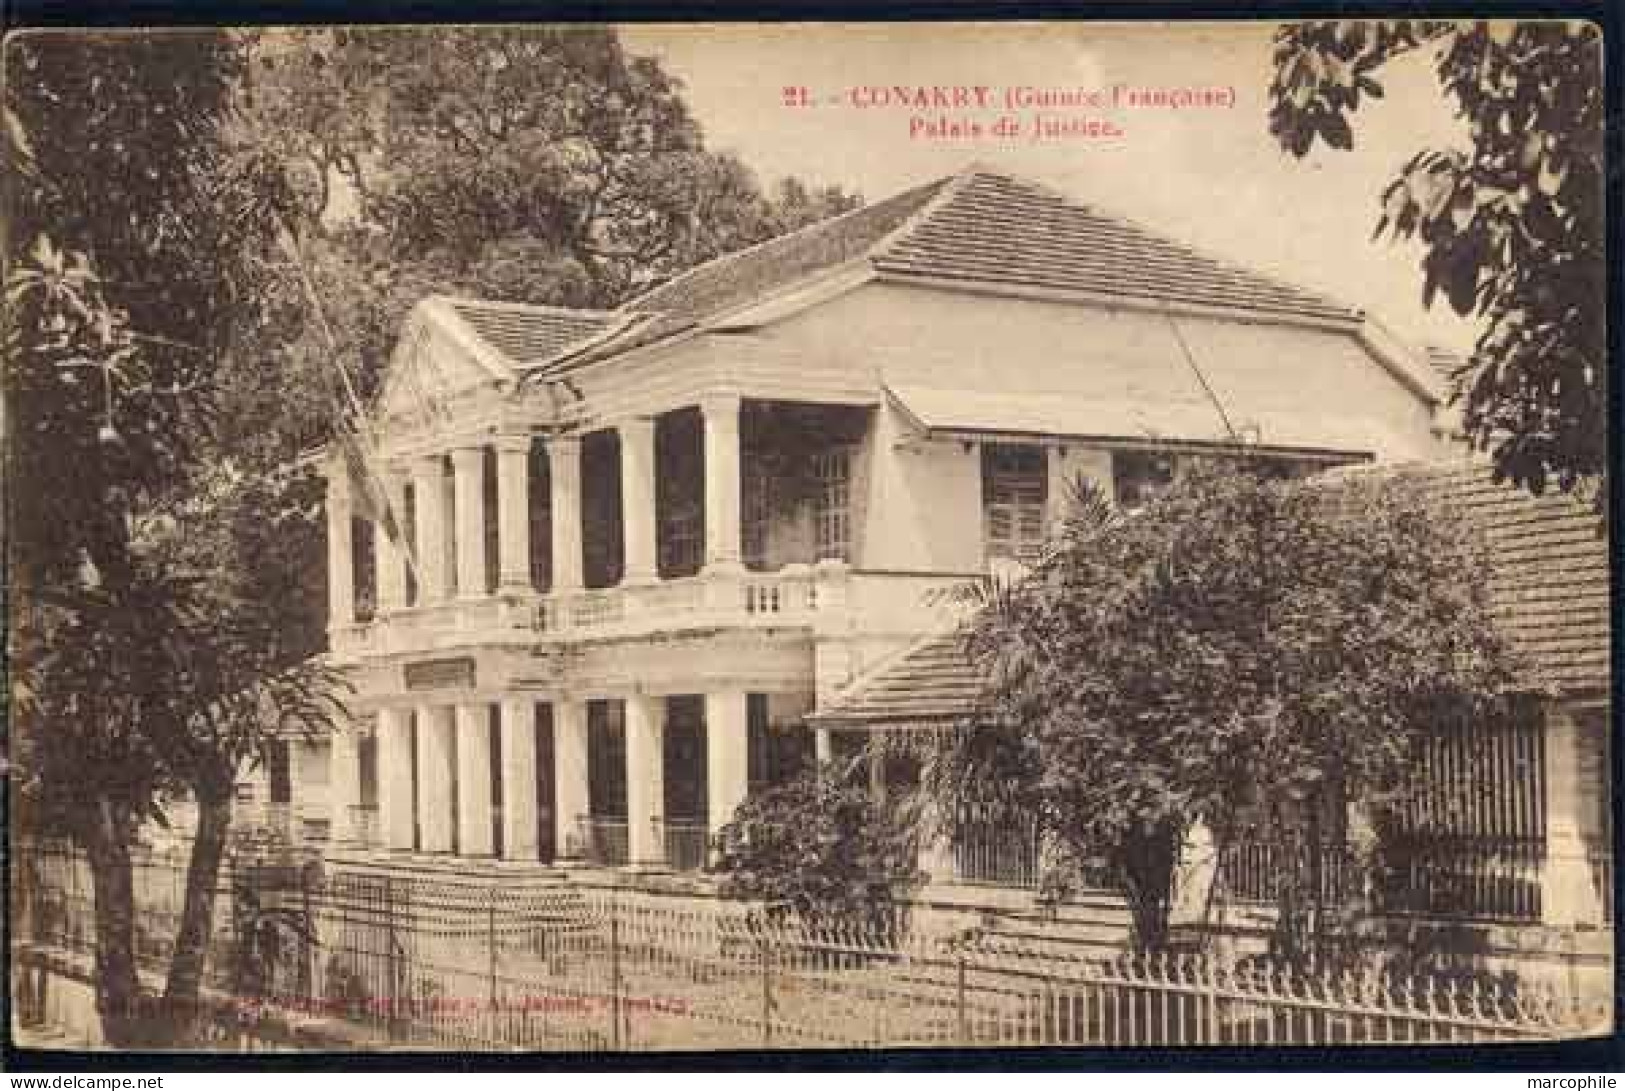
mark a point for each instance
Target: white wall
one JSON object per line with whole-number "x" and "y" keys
{"x": 901, "y": 336}
{"x": 922, "y": 503}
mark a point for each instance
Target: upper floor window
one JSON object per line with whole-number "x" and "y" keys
{"x": 832, "y": 503}
{"x": 1014, "y": 495}
{"x": 1141, "y": 476}
{"x": 756, "y": 509}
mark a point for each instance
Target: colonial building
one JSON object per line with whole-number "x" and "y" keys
{"x": 647, "y": 543}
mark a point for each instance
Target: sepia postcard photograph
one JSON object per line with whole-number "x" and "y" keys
{"x": 587, "y": 539}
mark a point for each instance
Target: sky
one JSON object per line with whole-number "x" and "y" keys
{"x": 1211, "y": 176}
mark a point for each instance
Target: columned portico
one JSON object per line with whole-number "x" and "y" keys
{"x": 395, "y": 803}
{"x": 637, "y": 437}
{"x": 474, "y": 827}
{"x": 564, "y": 477}
{"x": 727, "y": 755}
{"x": 429, "y": 503}
{"x": 468, "y": 467}
{"x": 519, "y": 817}
{"x": 570, "y": 800}
{"x": 513, "y": 514}
{"x": 722, "y": 542}
{"x": 645, "y": 780}
{"x": 434, "y": 803}
{"x": 340, "y": 544}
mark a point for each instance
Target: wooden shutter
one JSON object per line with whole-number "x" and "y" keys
{"x": 1014, "y": 492}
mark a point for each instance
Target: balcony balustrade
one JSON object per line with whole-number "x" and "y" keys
{"x": 797, "y": 595}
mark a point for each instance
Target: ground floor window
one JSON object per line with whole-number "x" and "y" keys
{"x": 1014, "y": 494}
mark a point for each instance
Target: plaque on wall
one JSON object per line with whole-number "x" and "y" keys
{"x": 440, "y": 674}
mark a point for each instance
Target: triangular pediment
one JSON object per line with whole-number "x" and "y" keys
{"x": 435, "y": 365}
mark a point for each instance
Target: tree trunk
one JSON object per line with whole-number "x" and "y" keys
{"x": 119, "y": 1001}
{"x": 1147, "y": 866}
{"x": 181, "y": 992}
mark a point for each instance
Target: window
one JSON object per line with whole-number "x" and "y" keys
{"x": 1014, "y": 492}
{"x": 832, "y": 503}
{"x": 1140, "y": 476}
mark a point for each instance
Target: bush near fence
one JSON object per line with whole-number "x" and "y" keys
{"x": 452, "y": 964}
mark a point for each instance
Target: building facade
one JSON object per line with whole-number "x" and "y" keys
{"x": 636, "y": 549}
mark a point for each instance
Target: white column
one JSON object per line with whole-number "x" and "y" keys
{"x": 645, "y": 779}
{"x": 569, "y": 775}
{"x": 937, "y": 854}
{"x": 340, "y": 560}
{"x": 474, "y": 779}
{"x": 564, "y": 515}
{"x": 390, "y": 557}
{"x": 727, "y": 755}
{"x": 519, "y": 779}
{"x": 513, "y": 514}
{"x": 434, "y": 777}
{"x": 429, "y": 496}
{"x": 395, "y": 803}
{"x": 823, "y": 746}
{"x": 343, "y": 783}
{"x": 638, "y": 499}
{"x": 468, "y": 463}
{"x": 1567, "y": 897}
{"x": 721, "y": 415}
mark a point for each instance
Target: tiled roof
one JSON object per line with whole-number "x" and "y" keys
{"x": 749, "y": 274}
{"x": 1547, "y": 580}
{"x": 932, "y": 681}
{"x": 528, "y": 335}
{"x": 1548, "y": 571}
{"x": 1445, "y": 363}
{"x": 978, "y": 226}
{"x": 998, "y": 229}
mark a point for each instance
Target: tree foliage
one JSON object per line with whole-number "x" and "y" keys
{"x": 1237, "y": 648}
{"x": 821, "y": 847}
{"x": 154, "y": 654}
{"x": 532, "y": 164}
{"x": 1512, "y": 227}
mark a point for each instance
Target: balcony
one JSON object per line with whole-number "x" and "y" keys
{"x": 821, "y": 596}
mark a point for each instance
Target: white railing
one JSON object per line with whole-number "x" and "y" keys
{"x": 797, "y": 594}
{"x": 751, "y": 598}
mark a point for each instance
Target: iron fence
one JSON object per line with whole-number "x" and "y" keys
{"x": 604, "y": 840}
{"x": 457, "y": 964}
{"x": 687, "y": 842}
{"x": 1259, "y": 871}
{"x": 1469, "y": 877}
{"x": 997, "y": 853}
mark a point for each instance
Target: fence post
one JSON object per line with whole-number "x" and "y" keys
{"x": 393, "y": 973}
{"x": 491, "y": 955}
{"x": 766, "y": 955}
{"x": 959, "y": 996}
{"x": 615, "y": 973}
